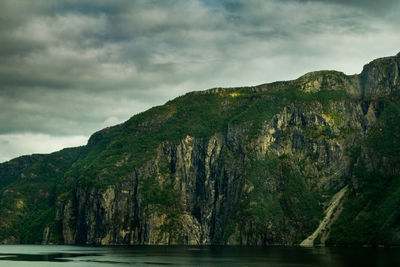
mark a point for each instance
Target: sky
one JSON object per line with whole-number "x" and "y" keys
{"x": 70, "y": 68}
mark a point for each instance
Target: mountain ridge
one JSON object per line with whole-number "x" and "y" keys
{"x": 250, "y": 166}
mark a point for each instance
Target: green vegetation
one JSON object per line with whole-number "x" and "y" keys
{"x": 371, "y": 214}
{"x": 274, "y": 197}
{"x": 196, "y": 115}
{"x": 28, "y": 206}
{"x": 163, "y": 200}
{"x": 11, "y": 170}
{"x": 160, "y": 197}
{"x": 385, "y": 135}
{"x": 114, "y": 153}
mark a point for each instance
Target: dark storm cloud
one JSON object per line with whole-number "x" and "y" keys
{"x": 69, "y": 68}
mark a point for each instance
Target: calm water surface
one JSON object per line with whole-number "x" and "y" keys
{"x": 37, "y": 255}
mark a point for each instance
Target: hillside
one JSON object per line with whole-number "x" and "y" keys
{"x": 250, "y": 166}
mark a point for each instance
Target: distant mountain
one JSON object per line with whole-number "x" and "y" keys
{"x": 313, "y": 161}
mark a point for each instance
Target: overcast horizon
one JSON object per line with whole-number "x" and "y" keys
{"x": 71, "y": 68}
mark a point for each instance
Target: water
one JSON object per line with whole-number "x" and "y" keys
{"x": 37, "y": 255}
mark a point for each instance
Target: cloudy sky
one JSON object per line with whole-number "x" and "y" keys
{"x": 69, "y": 68}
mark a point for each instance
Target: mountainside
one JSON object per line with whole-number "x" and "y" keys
{"x": 251, "y": 166}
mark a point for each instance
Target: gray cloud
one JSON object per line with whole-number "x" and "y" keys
{"x": 69, "y": 68}
{"x": 372, "y": 5}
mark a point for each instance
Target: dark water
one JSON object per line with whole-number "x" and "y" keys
{"x": 29, "y": 255}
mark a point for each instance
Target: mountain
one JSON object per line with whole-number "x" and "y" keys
{"x": 315, "y": 160}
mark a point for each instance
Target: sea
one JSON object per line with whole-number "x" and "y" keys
{"x": 219, "y": 256}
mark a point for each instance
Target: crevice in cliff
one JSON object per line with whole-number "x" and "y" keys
{"x": 81, "y": 227}
{"x": 136, "y": 223}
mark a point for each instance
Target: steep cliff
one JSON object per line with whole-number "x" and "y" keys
{"x": 252, "y": 166}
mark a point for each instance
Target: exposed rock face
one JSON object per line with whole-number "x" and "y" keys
{"x": 207, "y": 186}
{"x": 321, "y": 80}
{"x": 249, "y": 166}
{"x": 381, "y": 77}
{"x": 203, "y": 193}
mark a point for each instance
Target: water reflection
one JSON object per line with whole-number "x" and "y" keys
{"x": 26, "y": 255}
{"x": 53, "y": 257}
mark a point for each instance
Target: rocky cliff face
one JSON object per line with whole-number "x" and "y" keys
{"x": 250, "y": 166}
{"x": 381, "y": 77}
